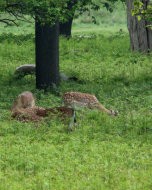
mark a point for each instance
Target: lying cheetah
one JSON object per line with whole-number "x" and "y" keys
{"x": 24, "y": 109}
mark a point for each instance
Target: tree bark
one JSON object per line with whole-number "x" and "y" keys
{"x": 140, "y": 35}
{"x": 66, "y": 27}
{"x": 47, "y": 55}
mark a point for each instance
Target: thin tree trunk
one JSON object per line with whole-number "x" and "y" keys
{"x": 140, "y": 35}
{"x": 47, "y": 55}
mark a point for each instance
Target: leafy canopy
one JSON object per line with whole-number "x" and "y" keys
{"x": 45, "y": 11}
{"x": 49, "y": 11}
{"x": 142, "y": 9}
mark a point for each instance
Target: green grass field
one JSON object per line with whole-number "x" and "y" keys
{"x": 103, "y": 153}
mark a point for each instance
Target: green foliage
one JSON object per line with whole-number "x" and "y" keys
{"x": 50, "y": 11}
{"x": 142, "y": 10}
{"x": 103, "y": 152}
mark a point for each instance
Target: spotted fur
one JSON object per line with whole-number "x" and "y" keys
{"x": 78, "y": 99}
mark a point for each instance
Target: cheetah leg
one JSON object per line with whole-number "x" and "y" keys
{"x": 72, "y": 122}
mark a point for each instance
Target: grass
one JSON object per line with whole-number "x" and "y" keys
{"x": 103, "y": 152}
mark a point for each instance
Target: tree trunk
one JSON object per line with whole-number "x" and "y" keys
{"x": 140, "y": 35}
{"x": 66, "y": 27}
{"x": 47, "y": 55}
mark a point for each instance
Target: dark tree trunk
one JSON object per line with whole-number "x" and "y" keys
{"x": 47, "y": 55}
{"x": 66, "y": 27}
{"x": 140, "y": 35}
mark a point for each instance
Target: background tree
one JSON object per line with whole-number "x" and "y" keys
{"x": 140, "y": 34}
{"x": 46, "y": 14}
{"x": 79, "y": 7}
{"x": 65, "y": 27}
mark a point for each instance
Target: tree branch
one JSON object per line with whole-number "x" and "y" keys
{"x": 8, "y": 21}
